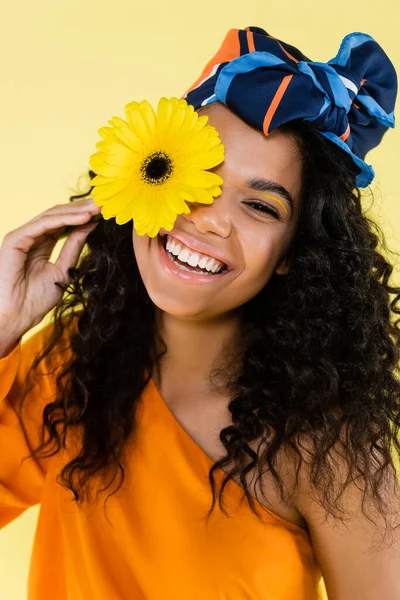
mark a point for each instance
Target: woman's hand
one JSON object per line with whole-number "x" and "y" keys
{"x": 27, "y": 290}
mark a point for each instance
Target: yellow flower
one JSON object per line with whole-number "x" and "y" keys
{"x": 150, "y": 165}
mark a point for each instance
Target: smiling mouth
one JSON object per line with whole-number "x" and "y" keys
{"x": 209, "y": 266}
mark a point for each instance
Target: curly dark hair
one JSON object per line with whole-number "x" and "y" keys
{"x": 321, "y": 349}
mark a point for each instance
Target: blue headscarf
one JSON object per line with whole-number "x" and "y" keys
{"x": 267, "y": 82}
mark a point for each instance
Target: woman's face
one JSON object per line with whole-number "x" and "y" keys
{"x": 249, "y": 231}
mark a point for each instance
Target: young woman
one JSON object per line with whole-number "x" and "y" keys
{"x": 241, "y": 425}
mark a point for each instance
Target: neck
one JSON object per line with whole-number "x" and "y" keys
{"x": 193, "y": 349}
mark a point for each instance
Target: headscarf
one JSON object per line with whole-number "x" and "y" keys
{"x": 267, "y": 83}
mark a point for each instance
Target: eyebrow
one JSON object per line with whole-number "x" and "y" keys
{"x": 259, "y": 184}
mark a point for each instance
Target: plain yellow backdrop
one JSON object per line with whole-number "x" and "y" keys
{"x": 70, "y": 65}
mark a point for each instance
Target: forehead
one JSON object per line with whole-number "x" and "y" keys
{"x": 250, "y": 153}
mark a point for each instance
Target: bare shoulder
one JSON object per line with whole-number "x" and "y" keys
{"x": 280, "y": 497}
{"x": 358, "y": 548}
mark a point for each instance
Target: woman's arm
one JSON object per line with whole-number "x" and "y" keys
{"x": 357, "y": 560}
{"x": 22, "y": 481}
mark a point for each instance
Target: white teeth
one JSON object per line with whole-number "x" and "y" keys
{"x": 192, "y": 258}
{"x": 203, "y": 262}
{"x": 210, "y": 265}
{"x": 184, "y": 255}
{"x": 214, "y": 268}
{"x": 173, "y": 247}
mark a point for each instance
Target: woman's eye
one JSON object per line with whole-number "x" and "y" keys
{"x": 261, "y": 207}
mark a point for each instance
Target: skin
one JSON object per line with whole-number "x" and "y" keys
{"x": 252, "y": 240}
{"x": 196, "y": 321}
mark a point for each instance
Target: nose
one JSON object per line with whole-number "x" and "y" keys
{"x": 215, "y": 218}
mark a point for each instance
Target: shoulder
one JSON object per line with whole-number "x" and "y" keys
{"x": 358, "y": 548}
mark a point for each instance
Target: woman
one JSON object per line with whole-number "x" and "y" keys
{"x": 242, "y": 423}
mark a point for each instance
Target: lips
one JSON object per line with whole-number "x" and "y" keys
{"x": 197, "y": 246}
{"x": 190, "y": 277}
{"x": 191, "y": 258}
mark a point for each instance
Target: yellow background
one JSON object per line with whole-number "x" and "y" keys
{"x": 70, "y": 65}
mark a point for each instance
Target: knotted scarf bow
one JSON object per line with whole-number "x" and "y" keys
{"x": 267, "y": 82}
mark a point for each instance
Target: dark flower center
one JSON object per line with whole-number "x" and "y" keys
{"x": 156, "y": 168}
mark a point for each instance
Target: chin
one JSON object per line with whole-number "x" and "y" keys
{"x": 177, "y": 306}
{"x": 168, "y": 294}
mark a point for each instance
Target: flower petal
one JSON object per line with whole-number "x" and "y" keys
{"x": 197, "y": 195}
{"x": 107, "y": 190}
{"x": 202, "y": 179}
{"x": 141, "y": 118}
{"x": 119, "y": 155}
{"x": 176, "y": 121}
{"x": 108, "y": 133}
{"x": 117, "y": 203}
{"x": 187, "y": 128}
{"x": 215, "y": 191}
{"x": 99, "y": 180}
{"x": 143, "y": 218}
{"x": 207, "y": 160}
{"x": 204, "y": 140}
{"x": 125, "y": 133}
{"x": 201, "y": 122}
{"x": 103, "y": 166}
{"x": 115, "y": 148}
{"x": 164, "y": 112}
{"x": 124, "y": 216}
{"x": 149, "y": 116}
{"x": 174, "y": 203}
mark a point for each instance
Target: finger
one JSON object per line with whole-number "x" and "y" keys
{"x": 25, "y": 237}
{"x": 66, "y": 207}
{"x": 17, "y": 245}
{"x": 72, "y": 248}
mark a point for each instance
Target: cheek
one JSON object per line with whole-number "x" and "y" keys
{"x": 260, "y": 261}
{"x": 140, "y": 243}
{"x": 140, "y": 247}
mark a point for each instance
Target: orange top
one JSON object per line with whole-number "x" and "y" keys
{"x": 151, "y": 542}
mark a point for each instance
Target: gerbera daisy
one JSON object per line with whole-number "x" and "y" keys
{"x": 149, "y": 166}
